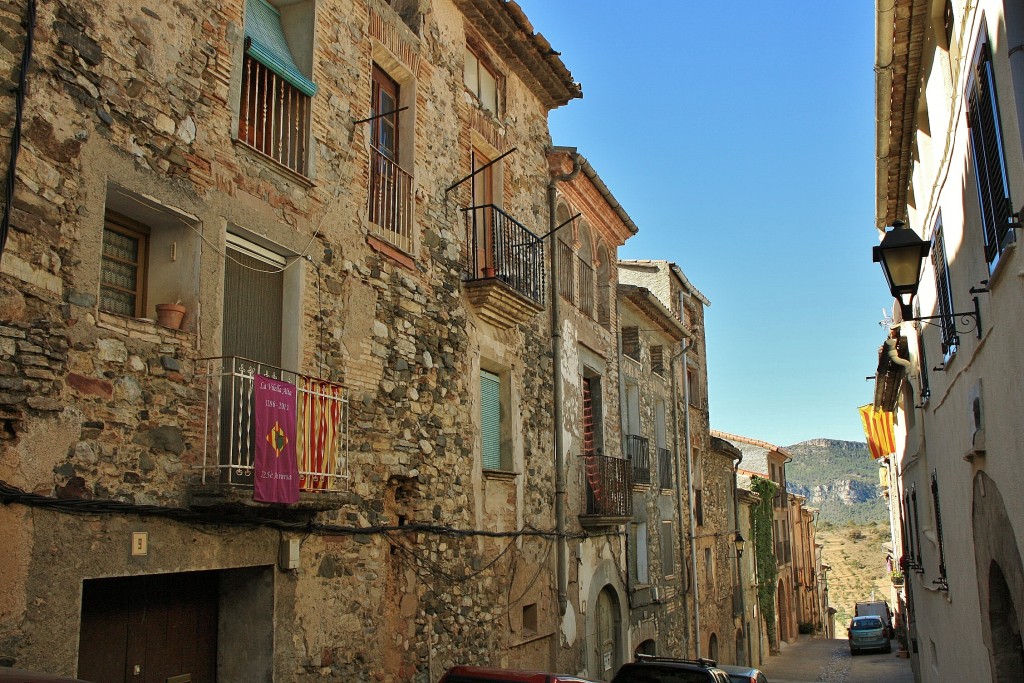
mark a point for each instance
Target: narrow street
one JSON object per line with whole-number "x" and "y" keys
{"x": 817, "y": 660}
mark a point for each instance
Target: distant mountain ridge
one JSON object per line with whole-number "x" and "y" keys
{"x": 839, "y": 478}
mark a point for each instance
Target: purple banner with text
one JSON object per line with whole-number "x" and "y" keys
{"x": 276, "y": 469}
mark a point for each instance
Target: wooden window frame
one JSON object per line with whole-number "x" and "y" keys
{"x": 484, "y": 64}
{"x": 126, "y": 227}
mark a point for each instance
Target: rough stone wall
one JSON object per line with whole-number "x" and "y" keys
{"x": 97, "y": 406}
{"x": 716, "y": 534}
{"x": 663, "y": 620}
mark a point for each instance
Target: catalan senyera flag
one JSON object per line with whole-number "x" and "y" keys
{"x": 878, "y": 430}
{"x": 319, "y": 423}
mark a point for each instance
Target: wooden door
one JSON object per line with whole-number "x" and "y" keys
{"x": 483, "y": 196}
{"x": 149, "y": 629}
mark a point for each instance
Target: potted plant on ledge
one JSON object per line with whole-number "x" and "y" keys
{"x": 170, "y": 315}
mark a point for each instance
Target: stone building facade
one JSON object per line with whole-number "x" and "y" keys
{"x": 651, "y": 400}
{"x": 289, "y": 174}
{"x": 716, "y": 577}
{"x": 949, "y": 124}
{"x": 669, "y": 284}
{"x": 768, "y": 461}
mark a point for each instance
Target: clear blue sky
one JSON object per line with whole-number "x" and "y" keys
{"x": 739, "y": 137}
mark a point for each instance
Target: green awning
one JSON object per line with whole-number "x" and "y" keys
{"x": 265, "y": 42}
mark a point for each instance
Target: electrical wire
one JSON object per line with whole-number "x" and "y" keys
{"x": 19, "y": 110}
{"x": 12, "y": 494}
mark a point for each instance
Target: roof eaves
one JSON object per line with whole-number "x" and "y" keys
{"x": 651, "y": 306}
{"x": 508, "y": 30}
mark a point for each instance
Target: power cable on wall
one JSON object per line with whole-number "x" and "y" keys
{"x": 19, "y": 109}
{"x": 11, "y": 494}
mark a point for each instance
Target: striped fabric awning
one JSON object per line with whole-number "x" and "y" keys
{"x": 878, "y": 429}
{"x": 266, "y": 44}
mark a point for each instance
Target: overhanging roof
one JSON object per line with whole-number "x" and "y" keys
{"x": 505, "y": 27}
{"x": 650, "y": 305}
{"x": 899, "y": 36}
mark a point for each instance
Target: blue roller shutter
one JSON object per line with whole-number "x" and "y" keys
{"x": 265, "y": 42}
{"x": 490, "y": 420}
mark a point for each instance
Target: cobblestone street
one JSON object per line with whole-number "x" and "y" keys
{"x": 820, "y": 660}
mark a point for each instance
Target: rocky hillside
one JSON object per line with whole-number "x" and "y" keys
{"x": 839, "y": 478}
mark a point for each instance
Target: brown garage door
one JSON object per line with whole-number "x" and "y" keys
{"x": 150, "y": 629}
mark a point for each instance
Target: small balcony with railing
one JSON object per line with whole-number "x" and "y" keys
{"x": 664, "y": 468}
{"x": 608, "y": 500}
{"x": 391, "y": 207}
{"x": 274, "y": 116}
{"x": 638, "y": 453}
{"x": 504, "y": 267}
{"x": 230, "y": 465}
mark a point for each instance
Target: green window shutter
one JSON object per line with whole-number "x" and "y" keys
{"x": 490, "y": 420}
{"x": 265, "y": 43}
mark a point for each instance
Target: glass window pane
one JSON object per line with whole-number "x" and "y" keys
{"x": 469, "y": 74}
{"x": 489, "y": 90}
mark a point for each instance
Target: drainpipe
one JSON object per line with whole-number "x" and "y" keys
{"x": 683, "y": 348}
{"x": 562, "y": 570}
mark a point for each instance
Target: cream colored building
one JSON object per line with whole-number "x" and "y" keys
{"x": 950, "y": 130}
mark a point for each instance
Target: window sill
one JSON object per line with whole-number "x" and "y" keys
{"x": 500, "y": 475}
{"x": 391, "y": 251}
{"x": 143, "y": 329}
{"x": 274, "y": 165}
{"x": 995, "y": 275}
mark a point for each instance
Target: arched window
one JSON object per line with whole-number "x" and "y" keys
{"x": 713, "y": 647}
{"x": 585, "y": 268}
{"x": 563, "y": 253}
{"x": 604, "y": 288}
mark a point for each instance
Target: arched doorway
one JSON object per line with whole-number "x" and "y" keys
{"x": 648, "y": 647}
{"x": 607, "y": 635}
{"x": 1007, "y": 650}
{"x": 783, "y": 616}
{"x": 713, "y": 647}
{"x": 1000, "y": 580}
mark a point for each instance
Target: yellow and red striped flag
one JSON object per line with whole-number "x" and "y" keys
{"x": 878, "y": 430}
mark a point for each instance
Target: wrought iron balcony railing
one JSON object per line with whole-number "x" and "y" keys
{"x": 273, "y": 116}
{"x": 586, "y": 288}
{"x": 501, "y": 247}
{"x": 390, "y": 201}
{"x": 607, "y": 484}
{"x": 664, "y": 468}
{"x": 321, "y": 429}
{"x": 639, "y": 455}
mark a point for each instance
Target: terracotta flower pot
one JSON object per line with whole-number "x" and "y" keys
{"x": 170, "y": 315}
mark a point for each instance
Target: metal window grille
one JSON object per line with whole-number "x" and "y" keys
{"x": 608, "y": 484}
{"x": 274, "y": 116}
{"x": 586, "y": 288}
{"x": 565, "y": 274}
{"x": 390, "y": 201}
{"x": 639, "y": 454}
{"x": 498, "y": 246}
{"x": 322, "y": 435}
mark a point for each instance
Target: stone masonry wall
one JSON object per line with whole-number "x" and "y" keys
{"x": 143, "y": 99}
